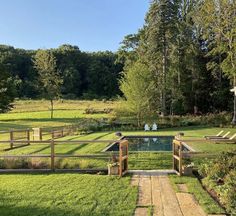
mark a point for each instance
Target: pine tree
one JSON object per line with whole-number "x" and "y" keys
{"x": 159, "y": 36}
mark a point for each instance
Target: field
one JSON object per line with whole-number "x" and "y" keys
{"x": 29, "y": 114}
{"x": 73, "y": 194}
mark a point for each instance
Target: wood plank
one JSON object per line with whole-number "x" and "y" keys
{"x": 144, "y": 191}
{"x": 189, "y": 205}
{"x": 141, "y": 212}
{"x": 170, "y": 203}
{"x": 156, "y": 197}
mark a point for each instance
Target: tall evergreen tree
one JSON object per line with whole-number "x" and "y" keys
{"x": 159, "y": 35}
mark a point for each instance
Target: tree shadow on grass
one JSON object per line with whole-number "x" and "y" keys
{"x": 6, "y": 126}
{"x": 32, "y": 210}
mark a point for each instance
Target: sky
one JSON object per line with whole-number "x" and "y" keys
{"x": 92, "y": 25}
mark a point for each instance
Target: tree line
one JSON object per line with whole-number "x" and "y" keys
{"x": 83, "y": 75}
{"x": 182, "y": 61}
{"x": 183, "y": 58}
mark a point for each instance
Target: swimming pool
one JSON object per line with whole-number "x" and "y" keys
{"x": 145, "y": 143}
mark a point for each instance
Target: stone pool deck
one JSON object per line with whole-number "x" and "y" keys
{"x": 155, "y": 190}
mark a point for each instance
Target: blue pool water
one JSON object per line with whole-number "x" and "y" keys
{"x": 146, "y": 143}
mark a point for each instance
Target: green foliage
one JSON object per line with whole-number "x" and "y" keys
{"x": 7, "y": 90}
{"x": 219, "y": 27}
{"x": 228, "y": 192}
{"x": 137, "y": 85}
{"x": 220, "y": 175}
{"x": 45, "y": 63}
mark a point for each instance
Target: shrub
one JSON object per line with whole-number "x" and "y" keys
{"x": 228, "y": 192}
{"x": 37, "y": 163}
{"x": 220, "y": 175}
{"x": 16, "y": 164}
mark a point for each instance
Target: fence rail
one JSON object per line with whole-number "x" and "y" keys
{"x": 54, "y": 155}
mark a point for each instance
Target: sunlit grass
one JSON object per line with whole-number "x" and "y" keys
{"x": 66, "y": 194}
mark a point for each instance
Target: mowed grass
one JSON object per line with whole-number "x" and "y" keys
{"x": 137, "y": 160}
{"x": 28, "y": 114}
{"x": 36, "y": 113}
{"x": 195, "y": 188}
{"x": 66, "y": 194}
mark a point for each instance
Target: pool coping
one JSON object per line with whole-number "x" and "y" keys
{"x": 146, "y": 136}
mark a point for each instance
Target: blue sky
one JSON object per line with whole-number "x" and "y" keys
{"x": 90, "y": 24}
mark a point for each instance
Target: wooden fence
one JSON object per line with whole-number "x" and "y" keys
{"x": 177, "y": 156}
{"x": 54, "y": 155}
{"x": 26, "y": 136}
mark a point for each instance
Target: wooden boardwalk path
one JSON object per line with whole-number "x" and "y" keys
{"x": 156, "y": 192}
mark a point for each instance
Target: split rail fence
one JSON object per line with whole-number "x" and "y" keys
{"x": 122, "y": 154}
{"x": 26, "y": 136}
{"x": 180, "y": 154}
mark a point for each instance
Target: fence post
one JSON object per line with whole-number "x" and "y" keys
{"x": 28, "y": 136}
{"x": 173, "y": 149}
{"x": 180, "y": 159}
{"x": 11, "y": 139}
{"x": 52, "y": 135}
{"x": 52, "y": 155}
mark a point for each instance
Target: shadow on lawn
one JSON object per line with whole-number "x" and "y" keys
{"x": 4, "y": 125}
{"x": 12, "y": 210}
{"x": 62, "y": 119}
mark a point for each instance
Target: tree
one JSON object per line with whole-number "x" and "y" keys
{"x": 7, "y": 90}
{"x": 45, "y": 63}
{"x": 158, "y": 39}
{"x": 137, "y": 85}
{"x": 103, "y": 75}
{"x": 218, "y": 24}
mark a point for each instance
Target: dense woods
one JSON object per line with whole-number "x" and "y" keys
{"x": 84, "y": 75}
{"x": 189, "y": 47}
{"x": 182, "y": 59}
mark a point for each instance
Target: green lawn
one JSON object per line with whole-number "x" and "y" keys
{"x": 36, "y": 113}
{"x": 138, "y": 160}
{"x": 66, "y": 194}
{"x": 73, "y": 194}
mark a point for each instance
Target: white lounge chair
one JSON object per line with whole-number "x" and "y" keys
{"x": 146, "y": 127}
{"x": 154, "y": 127}
{"x": 217, "y": 135}
{"x": 226, "y": 139}
{"x": 220, "y": 137}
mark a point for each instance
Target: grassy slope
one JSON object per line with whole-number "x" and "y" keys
{"x": 66, "y": 194}
{"x": 195, "y": 188}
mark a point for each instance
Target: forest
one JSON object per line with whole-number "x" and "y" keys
{"x": 181, "y": 61}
